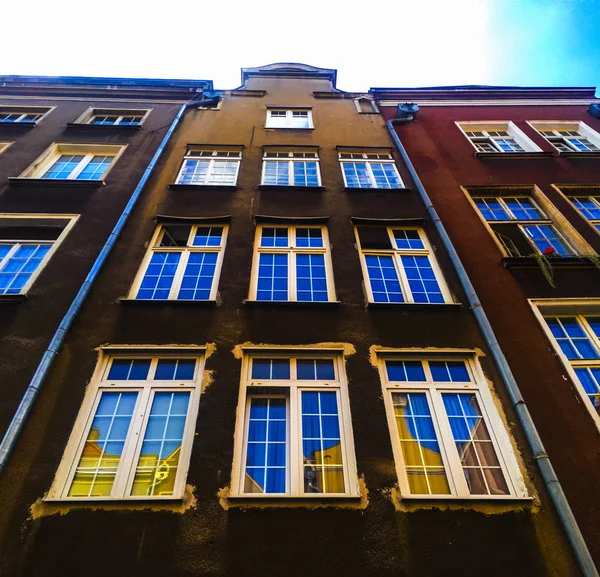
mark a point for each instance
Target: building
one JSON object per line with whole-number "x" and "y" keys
{"x": 276, "y": 371}
{"x": 513, "y": 174}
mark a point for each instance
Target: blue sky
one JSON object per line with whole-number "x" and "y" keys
{"x": 383, "y": 43}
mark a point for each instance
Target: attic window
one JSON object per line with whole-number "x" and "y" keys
{"x": 366, "y": 106}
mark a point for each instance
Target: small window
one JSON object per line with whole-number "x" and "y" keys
{"x": 22, "y": 114}
{"x": 75, "y": 162}
{"x": 293, "y": 433}
{"x": 447, "y": 436}
{"x": 292, "y": 263}
{"x": 587, "y": 202}
{"x": 203, "y": 167}
{"x": 497, "y": 137}
{"x": 399, "y": 266}
{"x": 299, "y": 168}
{"x": 133, "y": 435}
{"x": 294, "y": 118}
{"x": 569, "y": 136}
{"x": 26, "y": 244}
{"x": 183, "y": 263}
{"x": 366, "y": 106}
{"x": 369, "y": 170}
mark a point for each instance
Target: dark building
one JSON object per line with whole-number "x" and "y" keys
{"x": 277, "y": 372}
{"x": 514, "y": 174}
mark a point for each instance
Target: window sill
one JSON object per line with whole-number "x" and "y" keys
{"x": 262, "y": 500}
{"x": 109, "y": 500}
{"x": 54, "y": 182}
{"x": 167, "y": 302}
{"x": 492, "y": 155}
{"x": 299, "y": 304}
{"x": 287, "y": 128}
{"x": 416, "y": 306}
{"x": 9, "y": 299}
{"x": 579, "y": 154}
{"x": 123, "y": 128}
{"x": 366, "y": 189}
{"x": 453, "y": 499}
{"x": 530, "y": 262}
{"x": 19, "y": 125}
{"x": 224, "y": 187}
{"x": 288, "y": 188}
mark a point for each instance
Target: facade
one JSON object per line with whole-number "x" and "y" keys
{"x": 275, "y": 372}
{"x": 513, "y": 174}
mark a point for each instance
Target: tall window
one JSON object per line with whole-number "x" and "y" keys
{"x": 496, "y": 137}
{"x": 183, "y": 263}
{"x": 448, "y": 439}
{"x": 293, "y": 432}
{"x": 289, "y": 118}
{"x": 588, "y": 206}
{"x": 291, "y": 169}
{"x": 569, "y": 136}
{"x": 292, "y": 263}
{"x": 369, "y": 170}
{"x": 127, "y": 118}
{"x": 210, "y": 167}
{"x": 133, "y": 435}
{"x": 399, "y": 266}
{"x": 26, "y": 245}
{"x": 522, "y": 227}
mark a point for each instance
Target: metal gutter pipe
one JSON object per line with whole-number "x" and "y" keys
{"x": 567, "y": 519}
{"x": 24, "y": 408}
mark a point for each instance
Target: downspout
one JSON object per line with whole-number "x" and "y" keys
{"x": 31, "y": 393}
{"x": 567, "y": 519}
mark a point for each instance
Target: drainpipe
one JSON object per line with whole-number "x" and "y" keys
{"x": 31, "y": 393}
{"x": 567, "y": 519}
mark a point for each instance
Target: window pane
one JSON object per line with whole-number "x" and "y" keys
{"x": 421, "y": 279}
{"x": 311, "y": 277}
{"x": 309, "y": 238}
{"x": 157, "y": 466}
{"x": 156, "y": 284}
{"x": 129, "y": 369}
{"x": 171, "y": 369}
{"x": 383, "y": 277}
{"x": 449, "y": 371}
{"x": 194, "y": 171}
{"x": 588, "y": 207}
{"x": 64, "y": 166}
{"x": 356, "y": 175}
{"x": 274, "y": 237}
{"x": 491, "y": 209}
{"x": 97, "y": 467}
{"x": 408, "y": 239}
{"x": 547, "y": 240}
{"x": 272, "y": 277}
{"x": 474, "y": 445}
{"x": 224, "y": 172}
{"x": 276, "y": 173}
{"x": 95, "y": 169}
{"x": 16, "y": 270}
{"x": 524, "y": 209}
{"x": 572, "y": 338}
{"x": 315, "y": 369}
{"x": 305, "y": 174}
{"x": 405, "y": 371}
{"x": 321, "y": 443}
{"x": 589, "y": 377}
{"x": 271, "y": 369}
{"x": 198, "y": 276}
{"x": 208, "y": 236}
{"x": 266, "y": 446}
{"x": 175, "y": 235}
{"x": 420, "y": 448}
{"x": 385, "y": 175}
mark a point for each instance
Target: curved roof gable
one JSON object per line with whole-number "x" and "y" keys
{"x": 290, "y": 69}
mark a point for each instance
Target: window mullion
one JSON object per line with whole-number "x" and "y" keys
{"x": 295, "y": 465}
{"x": 14, "y": 248}
{"x": 177, "y": 279}
{"x": 79, "y": 168}
{"x": 371, "y": 175}
{"x": 208, "y": 176}
{"x": 291, "y": 173}
{"x": 397, "y": 258}
{"x": 292, "y": 281}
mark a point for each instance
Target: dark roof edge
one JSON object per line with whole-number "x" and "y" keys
{"x": 105, "y": 81}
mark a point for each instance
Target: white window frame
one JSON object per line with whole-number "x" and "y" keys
{"x": 565, "y": 146}
{"x": 28, "y": 219}
{"x": 24, "y": 111}
{"x": 206, "y": 154}
{"x": 289, "y": 118}
{"x": 372, "y": 104}
{"x": 497, "y": 427}
{"x": 292, "y": 250}
{"x": 4, "y": 146}
{"x": 88, "y": 116}
{"x": 291, "y": 389}
{"x": 183, "y": 260}
{"x": 513, "y": 132}
{"x": 571, "y": 307}
{"x": 594, "y": 198}
{"x": 44, "y": 162}
{"x": 397, "y": 255}
{"x": 293, "y": 157}
{"x": 368, "y": 157}
{"x": 126, "y": 469}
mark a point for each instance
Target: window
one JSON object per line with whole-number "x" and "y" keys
{"x": 183, "y": 263}
{"x": 447, "y": 437}
{"x": 26, "y": 244}
{"x": 132, "y": 438}
{"x": 293, "y": 432}
{"x": 75, "y": 162}
{"x": 292, "y": 263}
{"x": 399, "y": 266}
{"x": 369, "y": 170}
{"x": 210, "y": 167}
{"x": 294, "y": 118}
{"x": 291, "y": 169}
{"x": 489, "y": 137}
{"x": 569, "y": 136}
{"x": 366, "y": 106}
{"x": 522, "y": 227}
{"x": 22, "y": 114}
{"x": 589, "y": 207}
{"x": 4, "y": 146}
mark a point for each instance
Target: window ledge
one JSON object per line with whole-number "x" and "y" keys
{"x": 579, "y": 154}
{"x": 288, "y": 188}
{"x": 556, "y": 262}
{"x": 8, "y": 299}
{"x": 299, "y": 304}
{"x": 124, "y": 128}
{"x": 367, "y": 189}
{"x": 416, "y": 306}
{"x": 54, "y": 182}
{"x": 20, "y": 125}
{"x": 293, "y": 501}
{"x": 527, "y": 154}
{"x": 452, "y": 499}
{"x": 87, "y": 501}
{"x": 224, "y": 187}
{"x": 168, "y": 302}
{"x": 287, "y": 128}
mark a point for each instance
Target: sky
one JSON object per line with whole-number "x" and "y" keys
{"x": 382, "y": 43}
